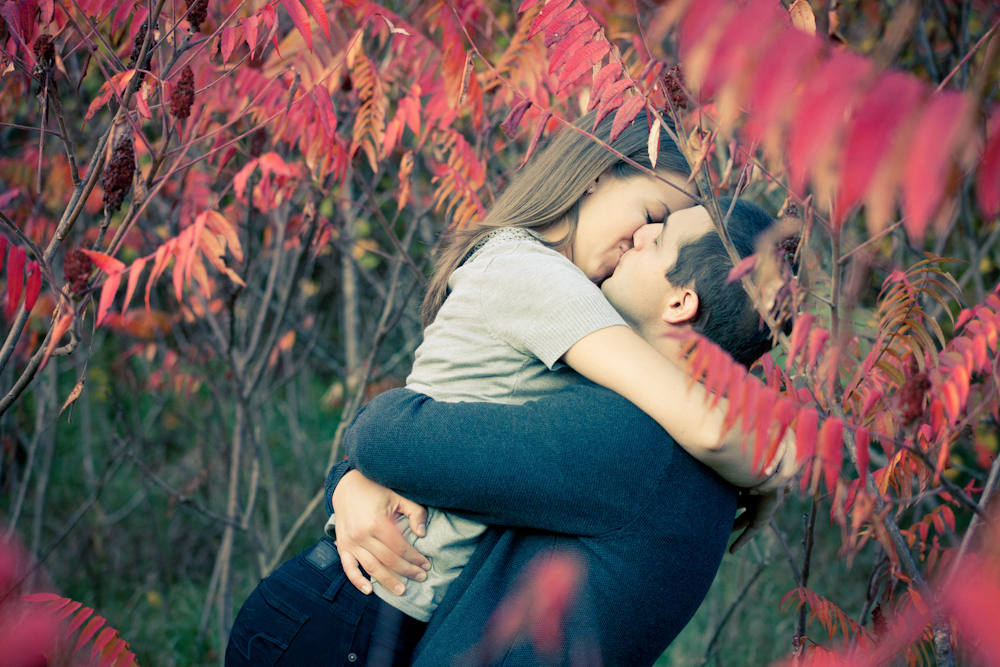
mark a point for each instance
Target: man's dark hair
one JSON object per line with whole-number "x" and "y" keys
{"x": 726, "y": 314}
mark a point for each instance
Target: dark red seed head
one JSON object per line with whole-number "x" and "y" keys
{"x": 76, "y": 270}
{"x": 117, "y": 180}
{"x": 183, "y": 96}
{"x": 45, "y": 52}
{"x": 197, "y": 14}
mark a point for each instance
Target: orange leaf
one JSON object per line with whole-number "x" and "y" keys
{"x": 542, "y": 121}
{"x": 57, "y": 333}
{"x": 108, "y": 292}
{"x": 119, "y": 82}
{"x": 133, "y": 279}
{"x": 301, "y": 20}
{"x": 950, "y": 398}
{"x": 765, "y": 411}
{"x": 526, "y": 5}
{"x": 109, "y": 265}
{"x": 111, "y": 652}
{"x": 625, "y": 115}
{"x": 78, "y": 620}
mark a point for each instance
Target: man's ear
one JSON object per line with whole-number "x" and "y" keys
{"x": 682, "y": 306}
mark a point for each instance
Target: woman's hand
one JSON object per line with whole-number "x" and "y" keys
{"x": 365, "y": 515}
{"x": 762, "y": 500}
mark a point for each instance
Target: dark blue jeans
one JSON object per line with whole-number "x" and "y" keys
{"x": 307, "y": 613}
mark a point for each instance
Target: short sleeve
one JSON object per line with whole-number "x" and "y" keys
{"x": 539, "y": 302}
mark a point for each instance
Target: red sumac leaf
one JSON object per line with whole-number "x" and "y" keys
{"x": 737, "y": 387}
{"x": 988, "y": 182}
{"x": 778, "y": 75}
{"x": 765, "y": 411}
{"x": 799, "y": 333}
{"x": 831, "y": 446}
{"x": 577, "y": 38}
{"x": 134, "y": 272}
{"x": 68, "y": 610}
{"x": 559, "y": 28}
{"x": 891, "y": 99}
{"x": 3, "y": 250}
{"x": 613, "y": 98}
{"x": 539, "y": 128}
{"x": 940, "y": 127}
{"x": 88, "y": 631}
{"x": 318, "y": 12}
{"x": 745, "y": 266}
{"x": 228, "y": 42}
{"x": 547, "y": 15}
{"x": 111, "y": 652}
{"x": 821, "y": 110}
{"x": 78, "y": 620}
{"x": 15, "y": 278}
{"x": 817, "y": 339}
{"x": 605, "y": 76}
{"x": 629, "y": 110}
{"x": 33, "y": 286}
{"x": 105, "y": 263}
{"x": 747, "y": 33}
{"x": 300, "y": 19}
{"x": 509, "y": 125}
{"x": 102, "y": 639}
{"x": 698, "y": 19}
{"x": 61, "y": 327}
{"x": 582, "y": 62}
{"x": 43, "y": 597}
{"x": 526, "y": 5}
{"x": 861, "y": 443}
{"x": 751, "y": 397}
{"x": 250, "y": 24}
{"x": 108, "y": 292}
{"x": 805, "y": 434}
{"x": 9, "y": 196}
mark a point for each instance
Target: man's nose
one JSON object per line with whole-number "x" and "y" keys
{"x": 641, "y": 237}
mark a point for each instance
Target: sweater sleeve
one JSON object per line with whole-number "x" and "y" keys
{"x": 540, "y": 303}
{"x": 570, "y": 463}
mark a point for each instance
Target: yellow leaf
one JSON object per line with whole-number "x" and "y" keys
{"x": 803, "y": 17}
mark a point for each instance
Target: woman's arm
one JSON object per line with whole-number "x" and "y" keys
{"x": 619, "y": 359}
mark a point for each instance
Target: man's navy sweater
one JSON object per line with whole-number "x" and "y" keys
{"x": 583, "y": 470}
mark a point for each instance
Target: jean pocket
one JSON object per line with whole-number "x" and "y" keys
{"x": 264, "y": 628}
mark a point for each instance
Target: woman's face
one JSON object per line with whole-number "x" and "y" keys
{"x": 615, "y": 210}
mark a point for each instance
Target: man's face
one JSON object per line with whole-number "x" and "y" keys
{"x": 639, "y": 289}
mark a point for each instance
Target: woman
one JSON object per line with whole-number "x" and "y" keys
{"x": 523, "y": 300}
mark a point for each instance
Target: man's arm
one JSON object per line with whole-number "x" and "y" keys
{"x": 574, "y": 462}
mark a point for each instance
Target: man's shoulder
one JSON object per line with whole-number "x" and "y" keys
{"x": 612, "y": 405}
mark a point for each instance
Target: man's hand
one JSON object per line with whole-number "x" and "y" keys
{"x": 365, "y": 515}
{"x": 756, "y": 515}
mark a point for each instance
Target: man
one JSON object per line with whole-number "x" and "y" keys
{"x": 583, "y": 471}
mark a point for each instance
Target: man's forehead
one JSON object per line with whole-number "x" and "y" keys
{"x": 688, "y": 223}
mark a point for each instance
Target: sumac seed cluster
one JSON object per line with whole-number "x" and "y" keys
{"x": 197, "y": 14}
{"x": 117, "y": 180}
{"x": 183, "y": 96}
{"x": 76, "y": 270}
{"x": 45, "y": 52}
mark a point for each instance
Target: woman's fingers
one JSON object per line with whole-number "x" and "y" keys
{"x": 353, "y": 572}
{"x": 389, "y": 546}
{"x": 379, "y": 572}
{"x": 416, "y": 513}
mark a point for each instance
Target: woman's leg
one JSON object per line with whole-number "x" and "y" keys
{"x": 307, "y": 612}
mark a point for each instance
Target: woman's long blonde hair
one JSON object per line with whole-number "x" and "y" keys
{"x": 550, "y": 188}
